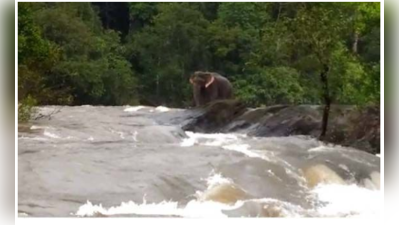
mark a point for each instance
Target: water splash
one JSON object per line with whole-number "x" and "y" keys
{"x": 216, "y": 179}
{"x": 347, "y": 200}
{"x": 194, "y": 209}
{"x": 51, "y": 135}
{"x": 333, "y": 201}
{"x": 134, "y": 108}
{"x": 35, "y": 127}
{"x": 329, "y": 200}
{"x": 162, "y": 109}
{"x": 217, "y": 139}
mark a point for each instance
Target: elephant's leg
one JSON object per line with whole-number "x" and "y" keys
{"x": 213, "y": 92}
{"x": 197, "y": 95}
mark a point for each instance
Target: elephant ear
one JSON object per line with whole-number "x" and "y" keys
{"x": 211, "y": 79}
{"x": 194, "y": 76}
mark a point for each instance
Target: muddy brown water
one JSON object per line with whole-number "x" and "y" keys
{"x": 137, "y": 161}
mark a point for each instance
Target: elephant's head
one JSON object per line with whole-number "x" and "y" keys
{"x": 202, "y": 79}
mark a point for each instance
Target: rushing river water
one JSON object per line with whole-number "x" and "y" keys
{"x": 137, "y": 161}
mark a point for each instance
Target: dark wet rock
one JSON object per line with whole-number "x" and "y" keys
{"x": 348, "y": 125}
{"x": 291, "y": 120}
{"x": 215, "y": 116}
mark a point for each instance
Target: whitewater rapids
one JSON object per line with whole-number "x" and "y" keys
{"x": 91, "y": 161}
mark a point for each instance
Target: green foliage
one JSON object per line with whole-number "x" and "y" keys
{"x": 273, "y": 85}
{"x": 31, "y": 46}
{"x": 36, "y": 55}
{"x": 80, "y": 62}
{"x": 142, "y": 12}
{"x": 167, "y": 51}
{"x": 248, "y": 15}
{"x": 272, "y": 52}
{"x": 26, "y": 109}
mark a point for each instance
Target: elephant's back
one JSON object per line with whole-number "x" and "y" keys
{"x": 225, "y": 87}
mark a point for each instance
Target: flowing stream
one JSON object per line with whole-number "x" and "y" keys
{"x": 88, "y": 161}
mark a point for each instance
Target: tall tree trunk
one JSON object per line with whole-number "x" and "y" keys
{"x": 280, "y": 6}
{"x": 355, "y": 42}
{"x": 327, "y": 101}
{"x": 106, "y": 15}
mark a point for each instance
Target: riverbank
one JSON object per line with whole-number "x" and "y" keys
{"x": 348, "y": 125}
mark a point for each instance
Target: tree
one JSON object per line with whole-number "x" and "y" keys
{"x": 274, "y": 53}
{"x": 90, "y": 55}
{"x": 269, "y": 86}
{"x": 115, "y": 16}
{"x": 319, "y": 29}
{"x": 168, "y": 51}
{"x": 36, "y": 55}
{"x": 66, "y": 57}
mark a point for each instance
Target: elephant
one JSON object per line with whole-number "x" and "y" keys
{"x": 210, "y": 86}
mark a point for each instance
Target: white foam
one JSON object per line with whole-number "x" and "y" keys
{"x": 22, "y": 214}
{"x": 215, "y": 179}
{"x": 212, "y": 136}
{"x": 193, "y": 209}
{"x": 338, "y": 201}
{"x": 344, "y": 167}
{"x": 188, "y": 142}
{"x": 244, "y": 148}
{"x": 33, "y": 138}
{"x": 230, "y": 142}
{"x": 318, "y": 149}
{"x": 217, "y": 139}
{"x": 162, "y": 109}
{"x": 51, "y": 135}
{"x": 34, "y": 127}
{"x": 121, "y": 134}
{"x": 233, "y": 142}
{"x": 347, "y": 200}
{"x": 134, "y": 108}
{"x": 135, "y": 136}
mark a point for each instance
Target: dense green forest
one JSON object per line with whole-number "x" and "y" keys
{"x": 144, "y": 53}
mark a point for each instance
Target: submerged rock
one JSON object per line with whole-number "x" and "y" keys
{"x": 225, "y": 193}
{"x": 321, "y": 174}
{"x": 348, "y": 125}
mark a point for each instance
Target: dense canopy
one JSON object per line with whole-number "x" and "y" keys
{"x": 144, "y": 53}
